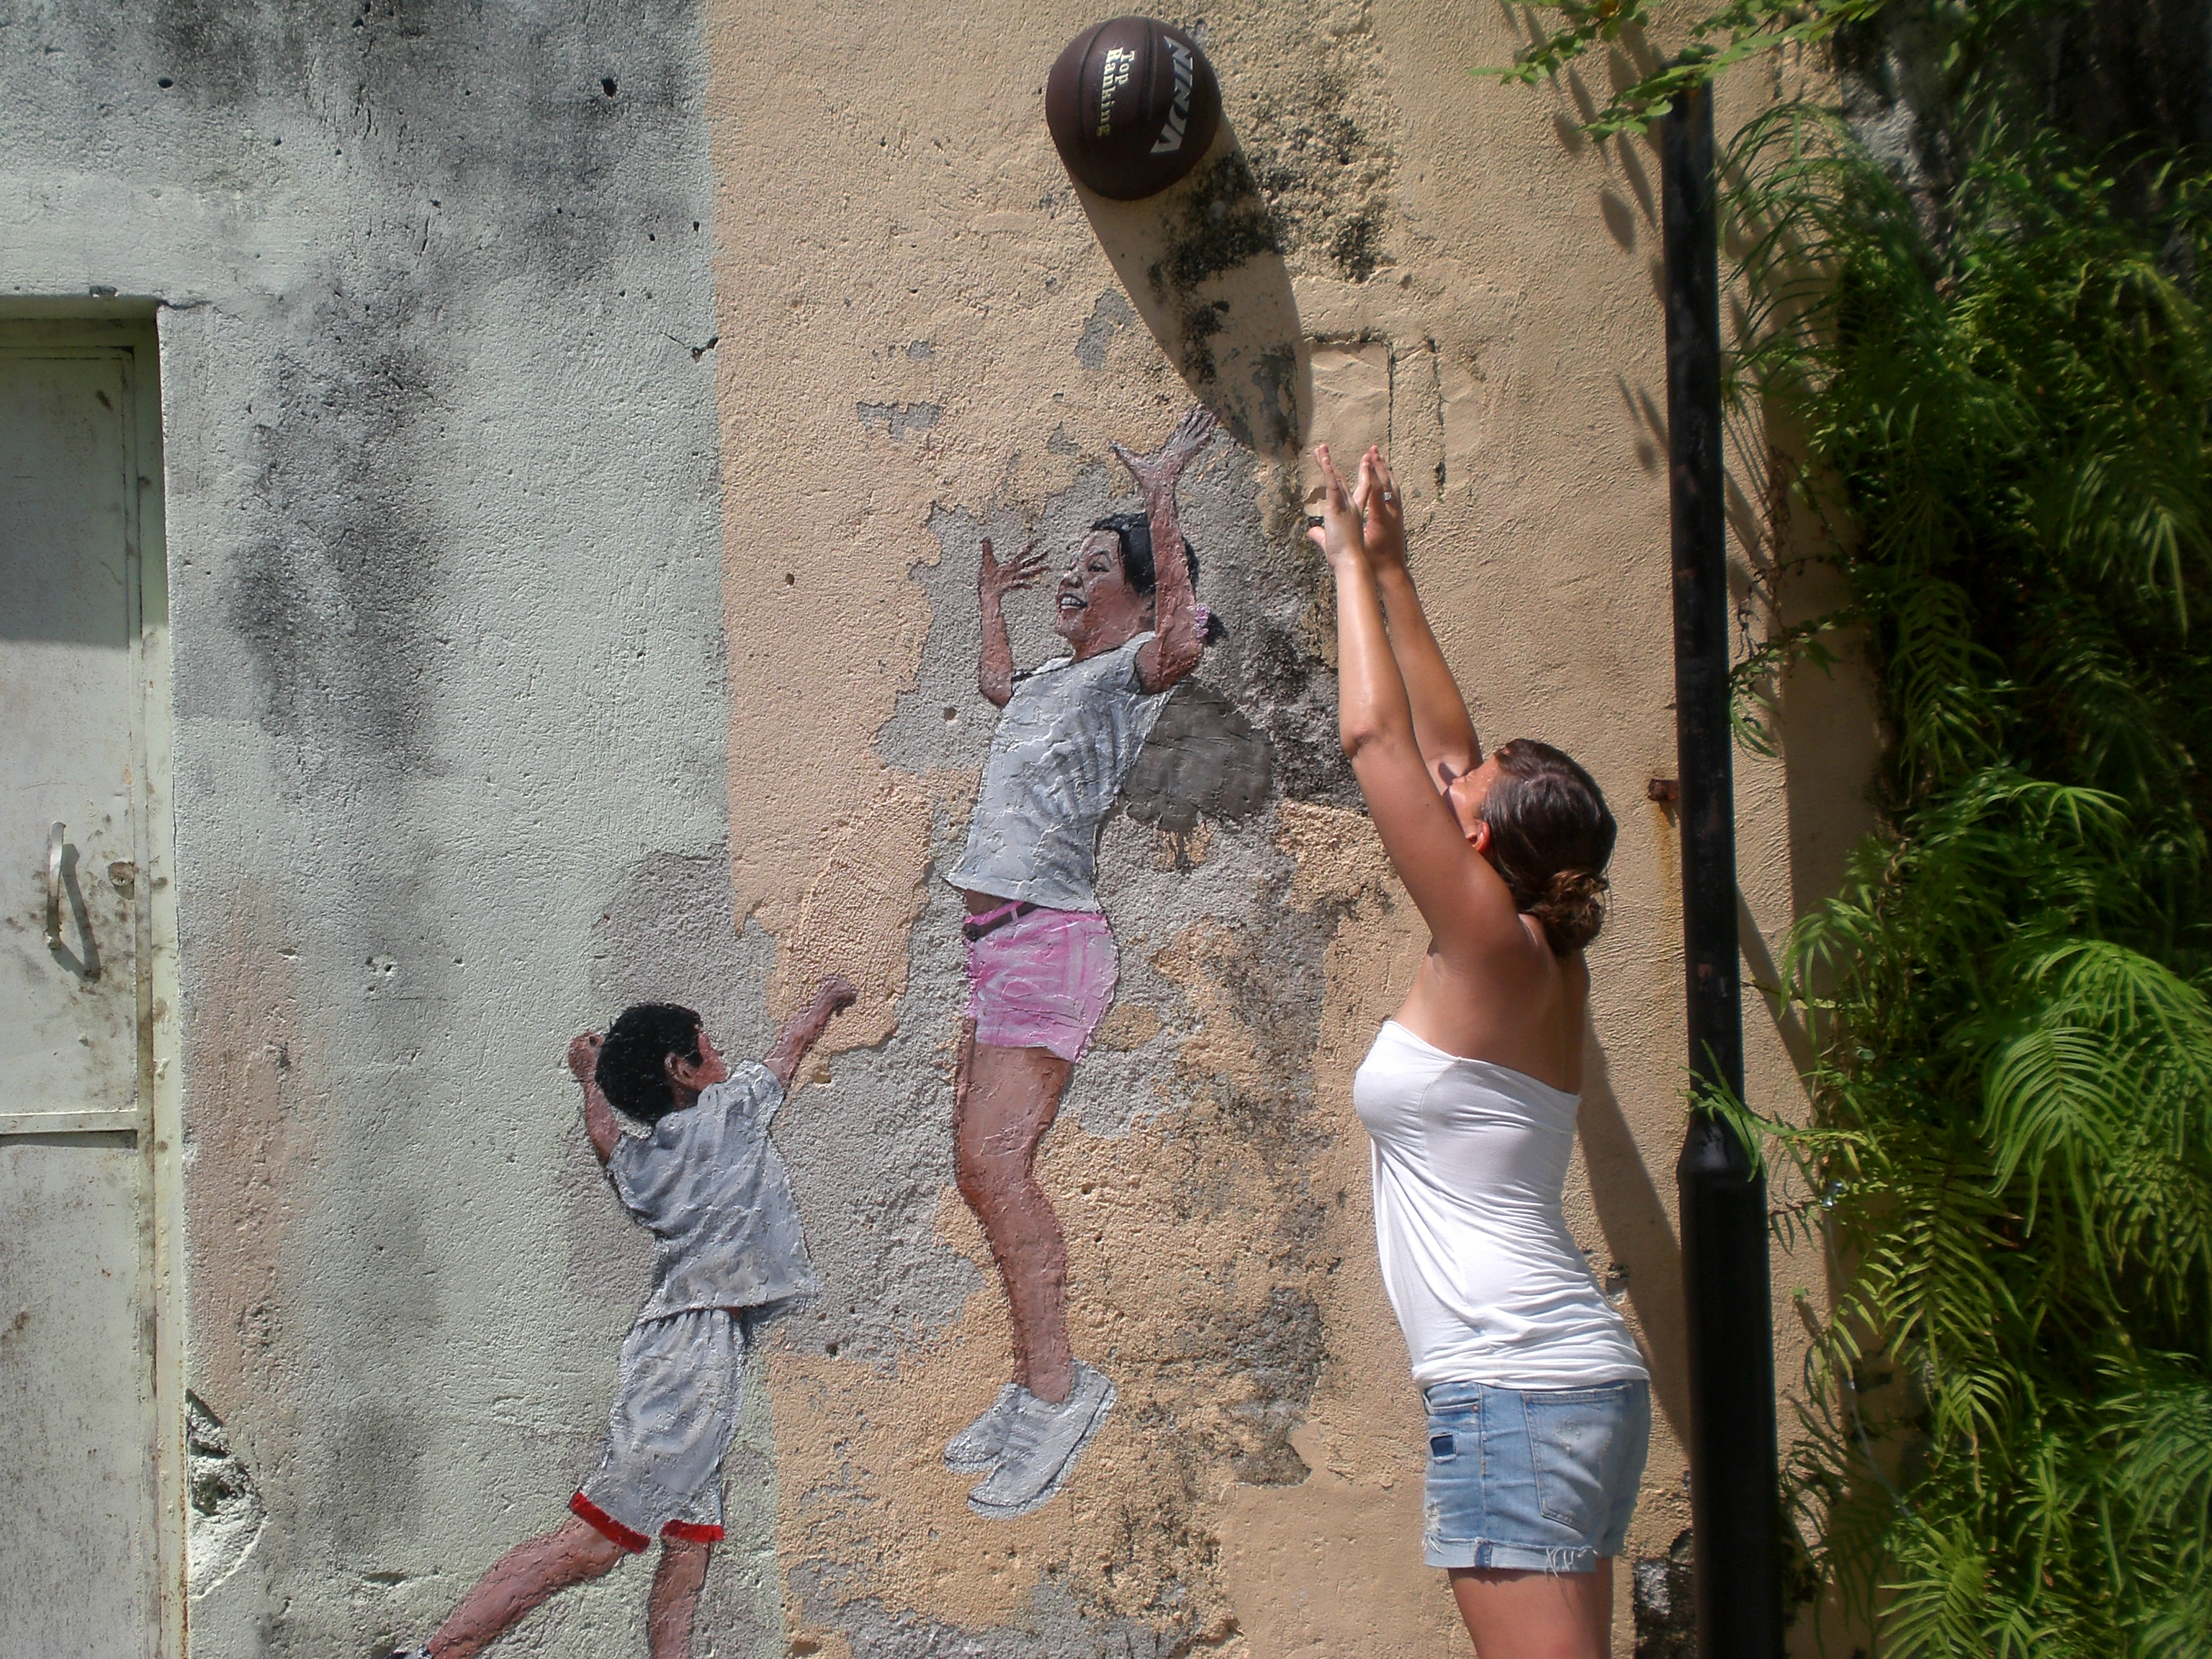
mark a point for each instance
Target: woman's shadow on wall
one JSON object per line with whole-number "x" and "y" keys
{"x": 1647, "y": 1261}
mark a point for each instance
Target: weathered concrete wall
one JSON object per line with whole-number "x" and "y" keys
{"x": 581, "y": 427}
{"x": 451, "y": 705}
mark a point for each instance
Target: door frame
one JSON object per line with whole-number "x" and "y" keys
{"x": 133, "y": 327}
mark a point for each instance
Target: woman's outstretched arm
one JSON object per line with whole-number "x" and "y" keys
{"x": 1465, "y": 903}
{"x": 1441, "y": 725}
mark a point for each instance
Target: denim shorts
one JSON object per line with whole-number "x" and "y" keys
{"x": 1543, "y": 1479}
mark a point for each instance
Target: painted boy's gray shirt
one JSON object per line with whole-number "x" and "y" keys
{"x": 1066, "y": 741}
{"x": 712, "y": 1186}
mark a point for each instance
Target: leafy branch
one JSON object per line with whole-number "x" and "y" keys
{"x": 1718, "y": 41}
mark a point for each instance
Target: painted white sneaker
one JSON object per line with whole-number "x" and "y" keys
{"x": 1041, "y": 1446}
{"x": 979, "y": 1444}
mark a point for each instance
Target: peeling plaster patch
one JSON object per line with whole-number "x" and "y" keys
{"x": 870, "y": 1153}
{"x": 1665, "y": 1601}
{"x": 1109, "y": 317}
{"x": 1280, "y": 1348}
{"x": 1318, "y": 140}
{"x": 897, "y": 419}
{"x": 226, "y": 1511}
{"x": 1150, "y": 904}
{"x": 854, "y": 914}
{"x": 1352, "y": 395}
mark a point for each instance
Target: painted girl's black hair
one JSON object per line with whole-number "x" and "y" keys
{"x": 1134, "y": 531}
{"x": 630, "y": 1071}
{"x": 1551, "y": 837}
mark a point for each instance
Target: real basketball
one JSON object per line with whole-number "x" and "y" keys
{"x": 1131, "y": 105}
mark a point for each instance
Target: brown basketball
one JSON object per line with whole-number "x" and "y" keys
{"x": 1131, "y": 105}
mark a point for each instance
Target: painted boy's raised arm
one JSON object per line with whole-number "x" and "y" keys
{"x": 599, "y": 1120}
{"x": 792, "y": 1044}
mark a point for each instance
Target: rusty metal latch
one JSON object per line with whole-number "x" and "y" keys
{"x": 57, "y": 843}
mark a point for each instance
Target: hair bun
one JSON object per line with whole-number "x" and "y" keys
{"x": 1572, "y": 909}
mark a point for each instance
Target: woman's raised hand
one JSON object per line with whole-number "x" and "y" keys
{"x": 1383, "y": 506}
{"x": 994, "y": 580}
{"x": 1341, "y": 534}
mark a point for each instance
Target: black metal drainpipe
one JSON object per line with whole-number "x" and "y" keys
{"x": 1733, "y": 1490}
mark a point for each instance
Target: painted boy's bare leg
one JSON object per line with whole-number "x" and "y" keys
{"x": 1004, "y": 1103}
{"x": 520, "y": 1581}
{"x": 674, "y": 1597}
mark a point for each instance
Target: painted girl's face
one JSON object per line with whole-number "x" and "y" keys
{"x": 1095, "y": 609}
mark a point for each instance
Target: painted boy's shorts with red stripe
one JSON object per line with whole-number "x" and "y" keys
{"x": 1042, "y": 980}
{"x": 675, "y": 1407}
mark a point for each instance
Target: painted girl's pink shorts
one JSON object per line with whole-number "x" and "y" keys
{"x": 1043, "y": 981}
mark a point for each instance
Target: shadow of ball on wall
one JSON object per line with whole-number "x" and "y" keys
{"x": 1138, "y": 117}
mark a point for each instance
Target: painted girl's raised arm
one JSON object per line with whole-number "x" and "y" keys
{"x": 994, "y": 668}
{"x": 1179, "y": 638}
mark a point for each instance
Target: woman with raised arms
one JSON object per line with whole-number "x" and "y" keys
{"x": 1539, "y": 1405}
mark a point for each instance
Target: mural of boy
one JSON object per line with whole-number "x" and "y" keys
{"x": 710, "y": 1185}
{"x": 1041, "y": 963}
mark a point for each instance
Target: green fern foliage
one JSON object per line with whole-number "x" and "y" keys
{"x": 2004, "y": 403}
{"x": 1996, "y": 360}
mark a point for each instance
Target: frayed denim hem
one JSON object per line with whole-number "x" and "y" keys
{"x": 1509, "y": 1557}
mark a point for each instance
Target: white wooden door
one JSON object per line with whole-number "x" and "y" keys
{"x": 80, "y": 1555}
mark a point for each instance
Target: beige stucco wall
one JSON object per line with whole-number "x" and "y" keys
{"x": 928, "y": 335}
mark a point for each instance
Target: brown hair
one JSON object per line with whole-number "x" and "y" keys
{"x": 1551, "y": 837}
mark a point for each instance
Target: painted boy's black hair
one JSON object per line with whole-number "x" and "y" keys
{"x": 1134, "y": 531}
{"x": 630, "y": 1073}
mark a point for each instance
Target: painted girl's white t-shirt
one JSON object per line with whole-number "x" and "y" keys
{"x": 1066, "y": 740}
{"x": 1470, "y": 1167}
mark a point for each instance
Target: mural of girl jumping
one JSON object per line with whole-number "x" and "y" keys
{"x": 1041, "y": 963}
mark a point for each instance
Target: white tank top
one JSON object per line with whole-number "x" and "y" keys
{"x": 1470, "y": 1162}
